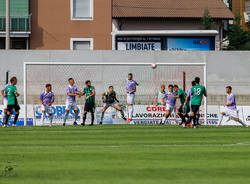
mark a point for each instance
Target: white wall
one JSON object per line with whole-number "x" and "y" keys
{"x": 224, "y": 68}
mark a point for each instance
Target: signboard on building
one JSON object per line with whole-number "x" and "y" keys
{"x": 139, "y": 43}
{"x": 189, "y": 44}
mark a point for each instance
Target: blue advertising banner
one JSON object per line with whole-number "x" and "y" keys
{"x": 190, "y": 44}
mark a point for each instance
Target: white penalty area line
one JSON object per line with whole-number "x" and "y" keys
{"x": 130, "y": 145}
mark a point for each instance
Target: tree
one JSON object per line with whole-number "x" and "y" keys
{"x": 207, "y": 21}
{"x": 238, "y": 38}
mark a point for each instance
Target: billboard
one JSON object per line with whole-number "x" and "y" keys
{"x": 143, "y": 114}
{"x": 139, "y": 46}
{"x": 189, "y": 44}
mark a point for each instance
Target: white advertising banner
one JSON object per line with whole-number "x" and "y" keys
{"x": 143, "y": 114}
{"x": 139, "y": 46}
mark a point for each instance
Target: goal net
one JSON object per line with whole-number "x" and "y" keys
{"x": 37, "y": 75}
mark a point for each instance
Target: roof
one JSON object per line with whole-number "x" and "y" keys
{"x": 170, "y": 9}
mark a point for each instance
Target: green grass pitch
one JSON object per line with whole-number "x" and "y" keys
{"x": 124, "y": 154}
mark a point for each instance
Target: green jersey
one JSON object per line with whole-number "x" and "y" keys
{"x": 197, "y": 91}
{"x": 11, "y": 92}
{"x": 182, "y": 95}
{"x": 89, "y": 91}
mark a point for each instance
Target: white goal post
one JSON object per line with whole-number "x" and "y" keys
{"x": 68, "y": 68}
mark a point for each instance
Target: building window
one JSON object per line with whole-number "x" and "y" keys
{"x": 81, "y": 44}
{"x": 82, "y": 9}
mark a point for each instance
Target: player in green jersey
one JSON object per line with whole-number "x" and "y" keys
{"x": 11, "y": 93}
{"x": 197, "y": 91}
{"x": 110, "y": 100}
{"x": 89, "y": 91}
{"x": 187, "y": 103}
{"x": 182, "y": 109}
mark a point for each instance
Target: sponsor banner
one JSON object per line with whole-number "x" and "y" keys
{"x": 188, "y": 44}
{"x": 20, "y": 122}
{"x": 111, "y": 116}
{"x": 150, "y": 114}
{"x": 139, "y": 46}
{"x": 143, "y": 114}
{"x": 58, "y": 112}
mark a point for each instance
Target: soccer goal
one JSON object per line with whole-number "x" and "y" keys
{"x": 103, "y": 75}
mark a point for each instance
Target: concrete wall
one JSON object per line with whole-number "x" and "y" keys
{"x": 223, "y": 68}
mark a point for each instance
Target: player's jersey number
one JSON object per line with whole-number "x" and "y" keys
{"x": 197, "y": 91}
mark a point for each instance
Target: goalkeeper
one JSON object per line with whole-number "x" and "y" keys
{"x": 110, "y": 100}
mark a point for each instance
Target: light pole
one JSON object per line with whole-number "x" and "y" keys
{"x": 7, "y": 40}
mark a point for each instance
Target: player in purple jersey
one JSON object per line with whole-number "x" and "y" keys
{"x": 131, "y": 89}
{"x": 5, "y": 103}
{"x": 71, "y": 92}
{"x": 231, "y": 109}
{"x": 47, "y": 99}
{"x": 170, "y": 102}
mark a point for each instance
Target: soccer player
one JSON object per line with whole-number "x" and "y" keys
{"x": 187, "y": 103}
{"x": 231, "y": 109}
{"x": 110, "y": 100}
{"x": 170, "y": 102}
{"x": 5, "y": 104}
{"x": 47, "y": 99}
{"x": 89, "y": 91}
{"x": 159, "y": 95}
{"x": 12, "y": 94}
{"x": 130, "y": 89}
{"x": 71, "y": 91}
{"x": 182, "y": 109}
{"x": 197, "y": 92}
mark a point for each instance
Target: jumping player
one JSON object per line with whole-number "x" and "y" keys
{"x": 12, "y": 94}
{"x": 5, "y": 103}
{"x": 197, "y": 93}
{"x": 170, "y": 103}
{"x": 159, "y": 95}
{"x": 110, "y": 100}
{"x": 231, "y": 109}
{"x": 89, "y": 91}
{"x": 71, "y": 91}
{"x": 47, "y": 99}
{"x": 130, "y": 89}
{"x": 182, "y": 109}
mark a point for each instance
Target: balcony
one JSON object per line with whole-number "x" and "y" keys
{"x": 17, "y": 23}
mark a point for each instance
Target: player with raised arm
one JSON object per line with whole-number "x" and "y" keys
{"x": 187, "y": 103}
{"x": 71, "y": 92}
{"x": 47, "y": 99}
{"x": 12, "y": 94}
{"x": 231, "y": 109}
{"x": 182, "y": 109}
{"x": 5, "y": 103}
{"x": 89, "y": 91}
{"x": 110, "y": 100}
{"x": 197, "y": 92}
{"x": 170, "y": 103}
{"x": 130, "y": 89}
{"x": 159, "y": 95}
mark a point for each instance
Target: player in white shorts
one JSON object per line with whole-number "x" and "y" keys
{"x": 159, "y": 96}
{"x": 71, "y": 92}
{"x": 170, "y": 103}
{"x": 5, "y": 103}
{"x": 47, "y": 99}
{"x": 130, "y": 89}
{"x": 231, "y": 109}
